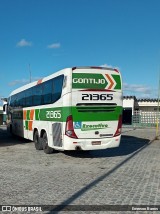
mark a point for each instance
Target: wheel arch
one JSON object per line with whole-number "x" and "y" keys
{"x": 34, "y": 131}
{"x": 42, "y": 132}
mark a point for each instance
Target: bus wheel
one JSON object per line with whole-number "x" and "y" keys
{"x": 46, "y": 148}
{"x": 37, "y": 142}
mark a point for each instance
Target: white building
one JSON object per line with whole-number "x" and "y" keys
{"x": 144, "y": 109}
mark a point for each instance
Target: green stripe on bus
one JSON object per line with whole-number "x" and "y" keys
{"x": 88, "y": 115}
{"x": 83, "y": 113}
{"x": 28, "y": 114}
{"x": 60, "y": 114}
{"x": 117, "y": 80}
{"x": 37, "y": 114}
{"x": 26, "y": 125}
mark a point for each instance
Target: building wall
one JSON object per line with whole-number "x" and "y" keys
{"x": 147, "y": 105}
{"x": 148, "y": 108}
{"x": 140, "y": 104}
{"x": 143, "y": 110}
{"x": 129, "y": 103}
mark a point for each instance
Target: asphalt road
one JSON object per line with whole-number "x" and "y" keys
{"x": 127, "y": 175}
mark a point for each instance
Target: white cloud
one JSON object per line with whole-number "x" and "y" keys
{"x": 54, "y": 46}
{"x": 23, "y": 81}
{"x": 106, "y": 66}
{"x": 16, "y": 82}
{"x": 138, "y": 90}
{"x": 109, "y": 66}
{"x": 24, "y": 43}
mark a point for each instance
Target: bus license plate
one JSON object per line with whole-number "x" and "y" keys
{"x": 96, "y": 142}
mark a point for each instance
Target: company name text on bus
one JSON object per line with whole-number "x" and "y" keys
{"x": 89, "y": 81}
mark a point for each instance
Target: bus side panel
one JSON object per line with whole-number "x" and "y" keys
{"x": 16, "y": 124}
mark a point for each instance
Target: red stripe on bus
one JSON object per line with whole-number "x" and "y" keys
{"x": 24, "y": 114}
{"x": 110, "y": 81}
{"x": 30, "y": 125}
{"x": 31, "y": 114}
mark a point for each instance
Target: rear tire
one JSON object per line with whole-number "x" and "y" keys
{"x": 37, "y": 142}
{"x": 46, "y": 148}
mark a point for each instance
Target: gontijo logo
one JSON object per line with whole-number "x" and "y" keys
{"x": 89, "y": 81}
{"x": 96, "y": 81}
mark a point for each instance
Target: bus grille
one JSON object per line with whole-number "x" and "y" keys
{"x": 57, "y": 134}
{"x": 88, "y": 107}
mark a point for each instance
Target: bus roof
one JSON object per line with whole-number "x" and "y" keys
{"x": 43, "y": 79}
{"x": 96, "y": 67}
{"x": 57, "y": 73}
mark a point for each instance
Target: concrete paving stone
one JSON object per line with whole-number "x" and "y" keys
{"x": 128, "y": 175}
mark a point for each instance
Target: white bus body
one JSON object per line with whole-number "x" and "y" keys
{"x": 74, "y": 109}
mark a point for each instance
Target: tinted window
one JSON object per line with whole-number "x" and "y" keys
{"x": 13, "y": 100}
{"x": 44, "y": 93}
{"x": 57, "y": 88}
{"x": 47, "y": 92}
{"x": 37, "y": 95}
{"x": 21, "y": 99}
{"x": 28, "y": 95}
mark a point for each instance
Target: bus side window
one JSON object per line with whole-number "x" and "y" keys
{"x": 15, "y": 100}
{"x": 28, "y": 95}
{"x": 11, "y": 101}
{"x": 47, "y": 92}
{"x": 57, "y": 88}
{"x": 37, "y": 95}
{"x": 21, "y": 99}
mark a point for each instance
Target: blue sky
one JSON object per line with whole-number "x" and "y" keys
{"x": 49, "y": 35}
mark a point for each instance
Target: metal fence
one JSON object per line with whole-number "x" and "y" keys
{"x": 145, "y": 119}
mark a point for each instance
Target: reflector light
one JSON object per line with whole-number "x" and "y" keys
{"x": 69, "y": 128}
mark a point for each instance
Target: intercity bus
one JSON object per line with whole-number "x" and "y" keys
{"x": 77, "y": 108}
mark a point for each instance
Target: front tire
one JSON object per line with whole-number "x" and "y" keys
{"x": 46, "y": 148}
{"x": 37, "y": 142}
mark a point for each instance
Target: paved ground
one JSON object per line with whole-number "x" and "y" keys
{"x": 128, "y": 175}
